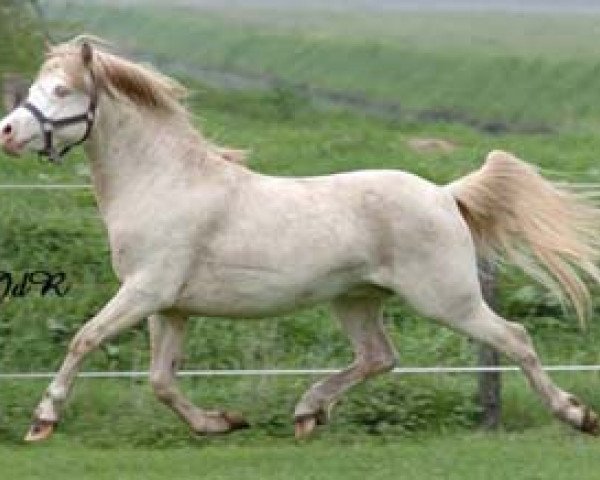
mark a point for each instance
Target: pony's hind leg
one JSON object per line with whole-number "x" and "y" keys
{"x": 361, "y": 320}
{"x": 166, "y": 336}
{"x": 439, "y": 279}
{"x": 512, "y": 340}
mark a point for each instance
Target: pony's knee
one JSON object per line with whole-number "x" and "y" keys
{"x": 84, "y": 344}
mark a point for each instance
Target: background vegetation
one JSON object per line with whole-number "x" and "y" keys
{"x": 525, "y": 83}
{"x": 22, "y": 38}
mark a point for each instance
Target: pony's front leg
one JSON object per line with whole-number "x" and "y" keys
{"x": 128, "y": 307}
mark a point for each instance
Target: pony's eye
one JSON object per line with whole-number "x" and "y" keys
{"x": 61, "y": 91}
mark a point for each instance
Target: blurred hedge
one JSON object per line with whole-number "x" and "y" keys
{"x": 22, "y": 42}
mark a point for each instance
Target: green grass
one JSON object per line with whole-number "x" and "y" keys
{"x": 539, "y": 454}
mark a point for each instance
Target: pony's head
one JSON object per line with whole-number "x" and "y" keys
{"x": 60, "y": 109}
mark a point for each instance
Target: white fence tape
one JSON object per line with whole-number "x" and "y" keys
{"x": 65, "y": 186}
{"x": 297, "y": 372}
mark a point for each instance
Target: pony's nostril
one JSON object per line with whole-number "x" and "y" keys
{"x": 7, "y": 130}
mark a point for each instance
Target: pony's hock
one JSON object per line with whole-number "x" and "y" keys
{"x": 370, "y": 234}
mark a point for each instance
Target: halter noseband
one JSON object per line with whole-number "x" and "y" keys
{"x": 48, "y": 125}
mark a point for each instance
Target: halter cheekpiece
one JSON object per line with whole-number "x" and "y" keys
{"x": 49, "y": 125}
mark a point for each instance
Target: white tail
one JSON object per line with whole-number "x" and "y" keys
{"x": 550, "y": 231}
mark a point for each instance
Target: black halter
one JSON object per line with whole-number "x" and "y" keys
{"x": 48, "y": 125}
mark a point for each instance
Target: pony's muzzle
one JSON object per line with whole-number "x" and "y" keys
{"x": 16, "y": 133}
{"x": 6, "y": 135}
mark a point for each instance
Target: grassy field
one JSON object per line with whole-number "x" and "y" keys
{"x": 525, "y": 70}
{"x": 538, "y": 454}
{"x": 119, "y": 412}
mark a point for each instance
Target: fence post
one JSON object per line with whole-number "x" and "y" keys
{"x": 490, "y": 383}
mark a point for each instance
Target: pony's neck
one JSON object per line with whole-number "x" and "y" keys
{"x": 133, "y": 149}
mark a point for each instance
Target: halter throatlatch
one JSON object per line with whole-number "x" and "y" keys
{"x": 49, "y": 125}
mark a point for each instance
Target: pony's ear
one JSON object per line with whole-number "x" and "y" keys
{"x": 87, "y": 54}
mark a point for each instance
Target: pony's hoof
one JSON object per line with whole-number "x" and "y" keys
{"x": 40, "y": 430}
{"x": 322, "y": 416}
{"x": 591, "y": 423}
{"x": 235, "y": 421}
{"x": 304, "y": 425}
